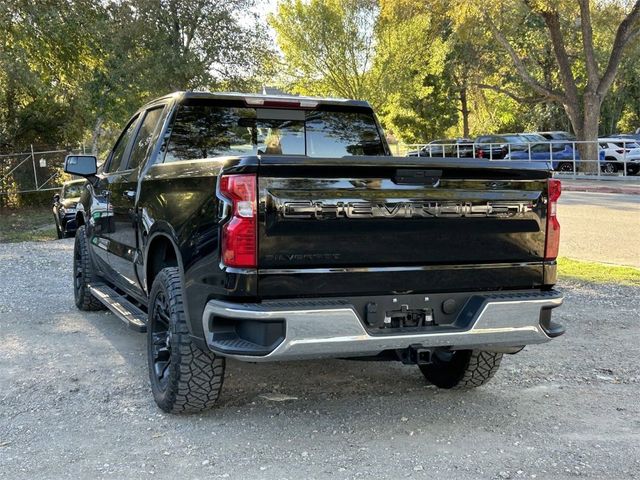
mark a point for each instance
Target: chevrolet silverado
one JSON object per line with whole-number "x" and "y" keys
{"x": 272, "y": 228}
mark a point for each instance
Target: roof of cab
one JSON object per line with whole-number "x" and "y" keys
{"x": 257, "y": 99}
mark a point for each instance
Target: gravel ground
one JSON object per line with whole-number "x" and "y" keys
{"x": 75, "y": 401}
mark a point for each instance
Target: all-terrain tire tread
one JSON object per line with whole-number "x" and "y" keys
{"x": 85, "y": 299}
{"x": 481, "y": 368}
{"x": 465, "y": 370}
{"x": 197, "y": 376}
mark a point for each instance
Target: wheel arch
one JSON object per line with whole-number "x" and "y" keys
{"x": 161, "y": 251}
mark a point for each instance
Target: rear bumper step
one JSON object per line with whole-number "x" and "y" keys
{"x": 299, "y": 329}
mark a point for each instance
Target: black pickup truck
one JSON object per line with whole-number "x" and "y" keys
{"x": 266, "y": 228}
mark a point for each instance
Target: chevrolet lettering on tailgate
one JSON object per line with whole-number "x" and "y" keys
{"x": 405, "y": 209}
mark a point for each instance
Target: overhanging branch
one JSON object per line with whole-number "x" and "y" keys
{"x": 519, "y": 64}
{"x": 510, "y": 94}
{"x": 626, "y": 31}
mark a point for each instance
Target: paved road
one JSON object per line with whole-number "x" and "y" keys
{"x": 601, "y": 227}
{"x": 75, "y": 401}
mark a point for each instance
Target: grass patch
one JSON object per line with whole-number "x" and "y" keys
{"x": 27, "y": 224}
{"x": 595, "y": 272}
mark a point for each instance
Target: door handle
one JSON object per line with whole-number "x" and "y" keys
{"x": 129, "y": 194}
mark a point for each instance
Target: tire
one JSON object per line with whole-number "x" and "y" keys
{"x": 565, "y": 167}
{"x": 461, "y": 369}
{"x": 83, "y": 274}
{"x": 183, "y": 377}
{"x": 610, "y": 167}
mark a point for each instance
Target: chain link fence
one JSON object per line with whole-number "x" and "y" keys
{"x": 41, "y": 171}
{"x": 29, "y": 173}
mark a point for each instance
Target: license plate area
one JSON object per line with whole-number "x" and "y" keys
{"x": 401, "y": 318}
{"x": 407, "y": 313}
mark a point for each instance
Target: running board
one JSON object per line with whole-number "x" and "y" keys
{"x": 126, "y": 311}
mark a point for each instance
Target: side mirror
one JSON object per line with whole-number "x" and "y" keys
{"x": 81, "y": 165}
{"x": 56, "y": 198}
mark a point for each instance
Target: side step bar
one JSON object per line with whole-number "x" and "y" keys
{"x": 126, "y": 311}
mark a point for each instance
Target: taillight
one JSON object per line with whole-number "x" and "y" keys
{"x": 240, "y": 233}
{"x": 553, "y": 226}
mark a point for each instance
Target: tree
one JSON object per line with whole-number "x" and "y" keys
{"x": 418, "y": 98}
{"x": 580, "y": 97}
{"x": 328, "y": 45}
{"x": 149, "y": 48}
{"x": 72, "y": 68}
{"x": 44, "y": 59}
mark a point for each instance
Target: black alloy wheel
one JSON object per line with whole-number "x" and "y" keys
{"x": 160, "y": 346}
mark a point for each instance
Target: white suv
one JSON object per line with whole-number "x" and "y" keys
{"x": 617, "y": 151}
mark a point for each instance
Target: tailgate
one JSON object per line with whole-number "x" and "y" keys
{"x": 385, "y": 224}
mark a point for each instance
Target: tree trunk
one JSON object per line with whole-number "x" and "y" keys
{"x": 589, "y": 152}
{"x": 464, "y": 108}
{"x": 95, "y": 137}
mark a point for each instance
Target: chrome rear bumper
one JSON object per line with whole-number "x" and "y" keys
{"x": 326, "y": 328}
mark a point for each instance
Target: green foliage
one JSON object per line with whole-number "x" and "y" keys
{"x": 328, "y": 45}
{"x": 416, "y": 92}
{"x": 389, "y": 54}
{"x": 75, "y": 70}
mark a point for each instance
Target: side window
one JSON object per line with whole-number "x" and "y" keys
{"x": 540, "y": 147}
{"x": 118, "y": 151}
{"x": 203, "y": 131}
{"x": 145, "y": 137}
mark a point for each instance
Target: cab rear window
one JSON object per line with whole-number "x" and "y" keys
{"x": 209, "y": 130}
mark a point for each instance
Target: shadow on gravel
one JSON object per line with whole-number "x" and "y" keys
{"x": 314, "y": 382}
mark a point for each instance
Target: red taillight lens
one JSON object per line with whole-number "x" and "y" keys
{"x": 553, "y": 226}
{"x": 240, "y": 233}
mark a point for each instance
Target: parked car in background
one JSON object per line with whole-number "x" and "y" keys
{"x": 562, "y": 156}
{"x": 559, "y": 138}
{"x": 618, "y": 152}
{"x": 496, "y": 147}
{"x": 64, "y": 207}
{"x": 628, "y": 136}
{"x": 447, "y": 147}
{"x": 558, "y": 135}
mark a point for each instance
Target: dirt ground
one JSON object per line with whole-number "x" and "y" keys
{"x": 75, "y": 401}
